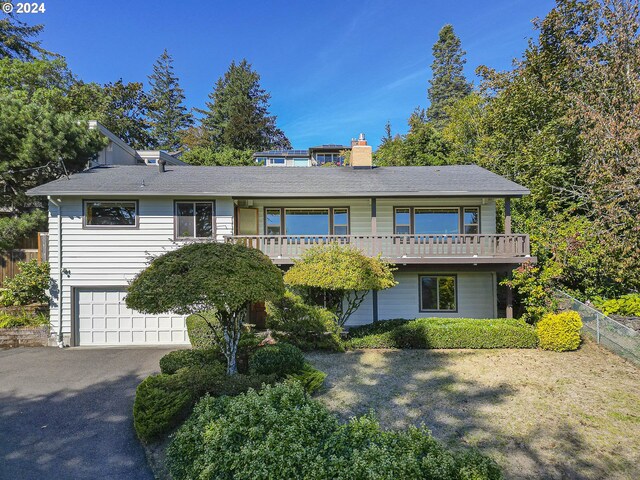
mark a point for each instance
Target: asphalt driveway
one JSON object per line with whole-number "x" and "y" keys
{"x": 67, "y": 414}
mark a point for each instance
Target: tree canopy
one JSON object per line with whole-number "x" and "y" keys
{"x": 338, "y": 276}
{"x": 19, "y": 39}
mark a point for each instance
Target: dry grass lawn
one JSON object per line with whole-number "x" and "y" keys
{"x": 538, "y": 414}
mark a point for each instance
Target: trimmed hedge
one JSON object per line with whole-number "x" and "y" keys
{"x": 308, "y": 327}
{"x": 280, "y": 432}
{"x": 174, "y": 361}
{"x": 560, "y": 332}
{"x": 163, "y": 401}
{"x": 444, "y": 333}
{"x": 280, "y": 359}
{"x": 309, "y": 377}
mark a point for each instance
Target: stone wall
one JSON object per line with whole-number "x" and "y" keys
{"x": 24, "y": 337}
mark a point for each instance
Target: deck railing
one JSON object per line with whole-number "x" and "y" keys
{"x": 397, "y": 248}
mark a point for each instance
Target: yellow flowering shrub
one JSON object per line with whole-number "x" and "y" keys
{"x": 559, "y": 332}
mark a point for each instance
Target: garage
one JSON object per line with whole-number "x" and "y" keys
{"x": 102, "y": 318}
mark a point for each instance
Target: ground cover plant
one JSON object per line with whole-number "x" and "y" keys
{"x": 23, "y": 319}
{"x": 444, "y": 333}
{"x": 280, "y": 432}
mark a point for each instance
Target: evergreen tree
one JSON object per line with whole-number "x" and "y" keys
{"x": 168, "y": 116}
{"x": 387, "y": 133}
{"x": 237, "y": 114}
{"x": 17, "y": 39}
{"x": 448, "y": 83}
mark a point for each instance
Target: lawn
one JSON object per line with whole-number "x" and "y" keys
{"x": 538, "y": 414}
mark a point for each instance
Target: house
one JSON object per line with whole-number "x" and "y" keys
{"x": 437, "y": 224}
{"x": 313, "y": 157}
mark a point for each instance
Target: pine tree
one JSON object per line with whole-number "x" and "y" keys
{"x": 448, "y": 83}
{"x": 16, "y": 39}
{"x": 168, "y": 116}
{"x": 387, "y": 134}
{"x": 237, "y": 114}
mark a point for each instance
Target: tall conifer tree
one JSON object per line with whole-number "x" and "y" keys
{"x": 448, "y": 83}
{"x": 168, "y": 116}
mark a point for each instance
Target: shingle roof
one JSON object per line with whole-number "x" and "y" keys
{"x": 455, "y": 180}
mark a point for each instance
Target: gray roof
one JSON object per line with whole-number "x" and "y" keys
{"x": 455, "y": 180}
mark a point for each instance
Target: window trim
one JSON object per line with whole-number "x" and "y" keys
{"x": 86, "y": 226}
{"x": 438, "y": 275}
{"x": 283, "y": 222}
{"x": 461, "y": 223}
{"x": 194, "y": 201}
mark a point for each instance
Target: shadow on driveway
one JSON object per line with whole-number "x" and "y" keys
{"x": 67, "y": 414}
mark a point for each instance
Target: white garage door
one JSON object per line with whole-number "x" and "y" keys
{"x": 102, "y": 318}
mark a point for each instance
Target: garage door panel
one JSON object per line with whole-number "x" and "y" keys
{"x": 103, "y": 318}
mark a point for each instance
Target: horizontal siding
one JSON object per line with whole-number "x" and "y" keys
{"x": 113, "y": 256}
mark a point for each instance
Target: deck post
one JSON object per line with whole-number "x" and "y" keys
{"x": 507, "y": 216}
{"x": 374, "y": 226}
{"x": 509, "y": 309}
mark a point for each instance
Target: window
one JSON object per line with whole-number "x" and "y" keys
{"x": 276, "y": 161}
{"x": 402, "y": 221}
{"x": 273, "y": 221}
{"x": 261, "y": 160}
{"x": 300, "y": 162}
{"x": 471, "y": 220}
{"x": 110, "y": 214}
{"x": 322, "y": 158}
{"x": 194, "y": 219}
{"x": 438, "y": 293}
{"x": 436, "y": 221}
{"x": 340, "y": 221}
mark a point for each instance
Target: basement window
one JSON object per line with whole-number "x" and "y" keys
{"x": 438, "y": 293}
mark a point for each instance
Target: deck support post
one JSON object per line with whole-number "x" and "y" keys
{"x": 507, "y": 216}
{"x": 509, "y": 309}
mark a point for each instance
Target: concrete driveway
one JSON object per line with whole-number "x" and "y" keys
{"x": 67, "y": 414}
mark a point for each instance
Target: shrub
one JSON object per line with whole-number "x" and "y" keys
{"x": 560, "y": 332}
{"x": 29, "y": 286}
{"x": 163, "y": 401}
{"x": 23, "y": 319}
{"x": 309, "y": 377}
{"x": 280, "y": 432}
{"x": 444, "y": 333}
{"x": 279, "y": 359}
{"x": 174, "y": 361}
{"x": 626, "y": 305}
{"x": 308, "y": 327}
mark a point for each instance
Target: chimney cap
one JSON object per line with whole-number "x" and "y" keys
{"x": 361, "y": 137}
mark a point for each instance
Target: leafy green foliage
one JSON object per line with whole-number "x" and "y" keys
{"x": 626, "y": 305}
{"x": 338, "y": 276}
{"x": 14, "y": 229}
{"x": 448, "y": 83}
{"x": 280, "y": 359}
{"x": 23, "y": 319}
{"x": 225, "y": 156}
{"x": 309, "y": 377}
{"x": 163, "y": 401}
{"x": 281, "y": 433}
{"x": 444, "y": 333}
{"x": 174, "y": 361}
{"x": 308, "y": 327}
{"x": 237, "y": 114}
{"x": 28, "y": 286}
{"x": 168, "y": 116}
{"x": 216, "y": 279}
{"x": 560, "y": 332}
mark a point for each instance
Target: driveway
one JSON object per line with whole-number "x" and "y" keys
{"x": 67, "y": 414}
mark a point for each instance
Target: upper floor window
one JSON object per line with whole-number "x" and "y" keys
{"x": 340, "y": 221}
{"x": 99, "y": 213}
{"x": 306, "y": 221}
{"x": 194, "y": 219}
{"x": 436, "y": 220}
{"x": 273, "y": 221}
{"x": 471, "y": 220}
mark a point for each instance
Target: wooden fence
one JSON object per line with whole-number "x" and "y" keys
{"x": 9, "y": 261}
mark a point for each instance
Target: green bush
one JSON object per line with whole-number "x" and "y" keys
{"x": 280, "y": 359}
{"x": 174, "y": 361}
{"x": 163, "y": 401}
{"x": 280, "y": 432}
{"x": 23, "y": 319}
{"x": 308, "y": 327}
{"x": 560, "y": 332}
{"x": 29, "y": 286}
{"x": 444, "y": 333}
{"x": 309, "y": 377}
{"x": 626, "y": 305}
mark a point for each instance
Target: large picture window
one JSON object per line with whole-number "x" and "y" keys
{"x": 436, "y": 220}
{"x": 438, "y": 293}
{"x": 306, "y": 221}
{"x": 99, "y": 213}
{"x": 194, "y": 219}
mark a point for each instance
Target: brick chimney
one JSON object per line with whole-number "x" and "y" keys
{"x": 361, "y": 153}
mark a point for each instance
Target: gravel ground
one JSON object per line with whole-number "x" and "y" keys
{"x": 538, "y": 414}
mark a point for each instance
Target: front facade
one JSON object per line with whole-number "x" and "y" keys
{"x": 436, "y": 224}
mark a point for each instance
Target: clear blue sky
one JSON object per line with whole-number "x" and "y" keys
{"x": 334, "y": 68}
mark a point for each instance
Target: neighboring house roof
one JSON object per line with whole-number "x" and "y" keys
{"x": 282, "y": 153}
{"x": 247, "y": 182}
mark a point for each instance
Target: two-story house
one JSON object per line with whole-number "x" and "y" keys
{"x": 313, "y": 157}
{"x": 436, "y": 224}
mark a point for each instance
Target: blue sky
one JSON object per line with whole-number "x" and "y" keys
{"x": 334, "y": 68}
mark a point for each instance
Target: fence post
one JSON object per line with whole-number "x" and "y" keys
{"x": 598, "y": 328}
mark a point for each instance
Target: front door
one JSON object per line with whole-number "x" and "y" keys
{"x": 247, "y": 221}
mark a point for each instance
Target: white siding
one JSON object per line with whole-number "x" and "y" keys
{"x": 111, "y": 257}
{"x": 476, "y": 297}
